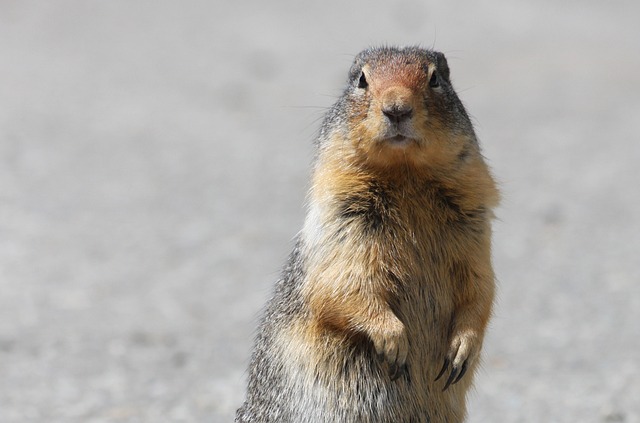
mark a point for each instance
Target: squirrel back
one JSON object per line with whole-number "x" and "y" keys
{"x": 380, "y": 313}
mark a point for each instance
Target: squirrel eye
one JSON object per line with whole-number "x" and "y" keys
{"x": 362, "y": 82}
{"x": 434, "y": 81}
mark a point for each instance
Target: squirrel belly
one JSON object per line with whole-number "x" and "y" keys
{"x": 380, "y": 312}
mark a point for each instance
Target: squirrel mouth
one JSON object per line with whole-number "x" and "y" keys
{"x": 398, "y": 141}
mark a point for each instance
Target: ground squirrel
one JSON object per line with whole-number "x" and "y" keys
{"x": 380, "y": 313}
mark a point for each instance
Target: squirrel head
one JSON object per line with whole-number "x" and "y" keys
{"x": 399, "y": 107}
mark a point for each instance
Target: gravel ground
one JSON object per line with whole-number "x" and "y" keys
{"x": 155, "y": 158}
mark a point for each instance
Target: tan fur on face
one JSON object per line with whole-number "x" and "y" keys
{"x": 402, "y": 84}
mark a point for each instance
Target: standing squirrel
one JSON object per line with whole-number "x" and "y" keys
{"x": 381, "y": 310}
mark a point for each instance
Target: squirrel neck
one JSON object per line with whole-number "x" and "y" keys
{"x": 344, "y": 184}
{"x": 343, "y": 170}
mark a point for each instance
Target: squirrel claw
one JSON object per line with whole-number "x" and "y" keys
{"x": 461, "y": 355}
{"x": 457, "y": 372}
{"x": 454, "y": 373}
{"x": 444, "y": 368}
{"x": 395, "y": 370}
{"x": 392, "y": 345}
{"x": 463, "y": 370}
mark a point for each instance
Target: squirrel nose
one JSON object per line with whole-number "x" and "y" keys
{"x": 397, "y": 113}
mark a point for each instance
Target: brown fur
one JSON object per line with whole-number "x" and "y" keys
{"x": 396, "y": 257}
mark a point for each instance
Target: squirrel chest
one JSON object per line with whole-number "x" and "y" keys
{"x": 407, "y": 241}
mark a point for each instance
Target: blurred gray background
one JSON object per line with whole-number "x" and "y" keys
{"x": 154, "y": 163}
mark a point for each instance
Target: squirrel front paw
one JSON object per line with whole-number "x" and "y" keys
{"x": 391, "y": 342}
{"x": 463, "y": 351}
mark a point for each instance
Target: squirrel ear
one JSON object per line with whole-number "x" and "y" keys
{"x": 443, "y": 67}
{"x": 355, "y": 71}
{"x": 356, "y": 66}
